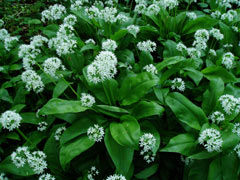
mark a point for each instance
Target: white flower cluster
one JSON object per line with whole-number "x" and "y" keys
{"x": 227, "y": 60}
{"x": 63, "y": 42}
{"x": 42, "y": 126}
{"x": 92, "y": 12}
{"x": 3, "y": 34}
{"x": 170, "y": 4}
{"x": 36, "y": 160}
{"x": 211, "y": 139}
{"x": 51, "y": 65}
{"x": 228, "y": 3}
{"x": 147, "y": 142}
{"x": 237, "y": 150}
{"x": 181, "y": 47}
{"x": 217, "y": 117}
{"x": 2, "y": 175}
{"x": 46, "y": 177}
{"x": 230, "y": 15}
{"x": 153, "y": 9}
{"x": 191, "y": 15}
{"x": 92, "y": 173}
{"x": 38, "y": 40}
{"x": 70, "y": 20}
{"x": 116, "y": 177}
{"x": 216, "y": 14}
{"x": 236, "y": 129}
{"x": 95, "y": 133}
{"x": 212, "y": 52}
{"x": 122, "y": 18}
{"x": 77, "y": 5}
{"x": 140, "y": 8}
{"x": 87, "y": 100}
{"x": 216, "y": 34}
{"x": 229, "y": 103}
{"x": 192, "y": 52}
{"x": 187, "y": 161}
{"x": 102, "y": 68}
{"x": 133, "y": 29}
{"x": 109, "y": 45}
{"x": 59, "y": 132}
{"x": 90, "y": 41}
{"x": 148, "y": 46}
{"x": 10, "y": 120}
{"x": 53, "y": 13}
{"x": 201, "y": 37}
{"x": 178, "y": 84}
{"x": 8, "y": 40}
{"x": 33, "y": 81}
{"x": 150, "y": 68}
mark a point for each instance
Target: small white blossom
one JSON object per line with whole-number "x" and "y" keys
{"x": 237, "y": 150}
{"x": 153, "y": 9}
{"x": 9, "y": 42}
{"x": 53, "y": 13}
{"x": 116, "y": 177}
{"x": 200, "y": 45}
{"x": 216, "y": 33}
{"x": 227, "y": 60}
{"x": 59, "y": 132}
{"x": 217, "y": 117}
{"x": 10, "y": 120}
{"x": 93, "y": 12}
{"x": 109, "y": 45}
{"x": 95, "y": 133}
{"x": 227, "y": 45}
{"x": 2, "y": 175}
{"x": 150, "y": 68}
{"x": 191, "y": 15}
{"x": 37, "y": 161}
{"x": 42, "y": 126}
{"x": 33, "y": 81}
{"x": 235, "y": 28}
{"x": 46, "y": 177}
{"x": 70, "y": 20}
{"x": 201, "y": 35}
{"x": 87, "y": 100}
{"x": 216, "y": 14}
{"x": 92, "y": 173}
{"x": 20, "y": 156}
{"x": 181, "y": 47}
{"x": 236, "y": 129}
{"x": 133, "y": 29}
{"x": 38, "y": 40}
{"x": 170, "y": 4}
{"x": 178, "y": 84}
{"x": 211, "y": 139}
{"x": 77, "y": 5}
{"x": 140, "y": 8}
{"x": 108, "y": 14}
{"x": 147, "y": 142}
{"x": 228, "y": 103}
{"x": 212, "y": 52}
{"x": 90, "y": 41}
{"x": 51, "y": 65}
{"x": 148, "y": 46}
{"x": 187, "y": 161}
{"x": 193, "y": 53}
{"x": 122, "y": 18}
{"x": 3, "y": 34}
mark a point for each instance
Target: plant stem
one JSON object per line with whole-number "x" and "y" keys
{"x": 106, "y": 93}
{"x": 69, "y": 85}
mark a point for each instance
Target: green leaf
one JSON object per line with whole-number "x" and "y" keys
{"x": 203, "y": 22}
{"x": 184, "y": 144}
{"x": 134, "y": 87}
{"x": 60, "y": 106}
{"x": 121, "y": 156}
{"x": 126, "y": 133}
{"x": 119, "y": 34}
{"x": 215, "y": 170}
{"x": 30, "y": 117}
{"x": 170, "y": 49}
{"x": 186, "y": 111}
{"x": 145, "y": 109}
{"x": 194, "y": 74}
{"x": 145, "y": 58}
{"x": 73, "y": 149}
{"x": 59, "y": 88}
{"x": 213, "y": 72}
{"x": 199, "y": 170}
{"x": 211, "y": 96}
{"x": 170, "y": 61}
{"x": 5, "y": 96}
{"x": 230, "y": 165}
{"x": 146, "y": 173}
{"x": 50, "y": 30}
{"x": 204, "y": 155}
{"x": 126, "y": 56}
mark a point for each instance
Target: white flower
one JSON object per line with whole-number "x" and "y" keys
{"x": 230, "y": 15}
{"x": 236, "y": 129}
{"x": 42, "y": 126}
{"x": 116, "y": 177}
{"x": 93, "y": 12}
{"x": 37, "y": 161}
{"x": 87, "y": 100}
{"x": 77, "y": 5}
{"x": 217, "y": 117}
{"x": 90, "y": 41}
{"x": 20, "y": 156}
{"x": 187, "y": 161}
{"x": 181, "y": 47}
{"x": 70, "y": 20}
{"x": 227, "y": 60}
{"x": 108, "y": 14}
{"x": 59, "y": 132}
{"x": 171, "y": 4}
{"x": 237, "y": 149}
{"x": 212, "y": 52}
{"x": 153, "y": 9}
{"x": 147, "y": 142}
{"x": 33, "y": 81}
{"x": 133, "y": 29}
{"x": 235, "y": 28}
{"x": 228, "y": 103}
{"x": 3, "y": 34}
{"x": 95, "y": 133}
{"x": 227, "y": 45}
{"x": 38, "y": 41}
{"x": 10, "y": 120}
{"x": 200, "y": 45}
{"x": 53, "y": 13}
{"x": 216, "y": 14}
{"x": 109, "y": 45}
{"x": 217, "y": 34}
{"x": 1, "y": 22}
{"x": 122, "y": 18}
{"x": 201, "y": 35}
{"x": 46, "y": 177}
{"x": 92, "y": 172}
{"x": 191, "y": 15}
{"x": 178, "y": 84}
{"x": 211, "y": 139}
{"x": 2, "y": 175}
{"x": 193, "y": 53}
{"x": 148, "y": 46}
{"x": 150, "y": 68}
{"x": 8, "y": 42}
{"x": 51, "y": 65}
{"x": 102, "y": 68}
{"x": 140, "y": 8}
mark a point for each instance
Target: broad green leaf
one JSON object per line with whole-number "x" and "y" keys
{"x": 213, "y": 72}
{"x": 146, "y": 173}
{"x": 184, "y": 144}
{"x": 161, "y": 94}
{"x": 126, "y": 56}
{"x": 230, "y": 165}
{"x": 186, "y": 111}
{"x": 204, "y": 155}
{"x": 119, "y": 34}
{"x": 30, "y": 117}
{"x": 111, "y": 110}
{"x": 50, "y": 30}
{"x": 170, "y": 49}
{"x": 145, "y": 109}
{"x": 127, "y": 132}
{"x": 211, "y": 96}
{"x": 121, "y": 156}
{"x": 73, "y": 149}
{"x": 59, "y": 88}
{"x": 170, "y": 61}
{"x": 194, "y": 74}
{"x": 215, "y": 170}
{"x": 5, "y": 96}
{"x": 145, "y": 58}
{"x": 136, "y": 86}
{"x": 199, "y": 170}
{"x": 61, "y": 106}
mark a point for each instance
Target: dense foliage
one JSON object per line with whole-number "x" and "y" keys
{"x": 116, "y": 90}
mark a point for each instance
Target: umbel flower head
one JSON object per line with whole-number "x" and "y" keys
{"x": 148, "y": 46}
{"x": 53, "y": 13}
{"x": 116, "y": 177}
{"x": 236, "y": 129}
{"x": 42, "y": 126}
{"x": 237, "y": 150}
{"x": 109, "y": 45}
{"x": 102, "y": 68}
{"x": 217, "y": 117}
{"x": 228, "y": 103}
{"x": 37, "y": 161}
{"x": 150, "y": 68}
{"x": 178, "y": 84}
{"x": 87, "y": 100}
{"x": 95, "y": 133}
{"x": 20, "y": 156}
{"x": 211, "y": 139}
{"x": 51, "y": 65}
{"x": 227, "y": 60}
{"x": 92, "y": 173}
{"x": 147, "y": 142}
{"x": 133, "y": 29}
{"x": 46, "y": 177}
{"x": 2, "y": 176}
{"x": 59, "y": 133}
{"x": 10, "y": 120}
